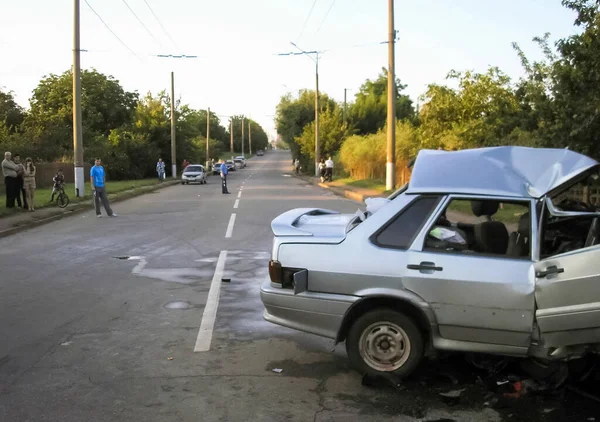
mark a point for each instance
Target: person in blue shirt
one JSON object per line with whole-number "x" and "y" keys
{"x": 224, "y": 172}
{"x": 98, "y": 179}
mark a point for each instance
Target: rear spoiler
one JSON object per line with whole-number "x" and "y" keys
{"x": 283, "y": 225}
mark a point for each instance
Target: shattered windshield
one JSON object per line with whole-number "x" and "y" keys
{"x": 584, "y": 196}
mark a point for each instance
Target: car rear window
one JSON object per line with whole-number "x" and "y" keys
{"x": 399, "y": 232}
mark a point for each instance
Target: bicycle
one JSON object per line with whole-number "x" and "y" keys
{"x": 62, "y": 199}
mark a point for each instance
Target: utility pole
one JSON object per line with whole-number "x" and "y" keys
{"x": 317, "y": 116}
{"x": 250, "y": 136}
{"x": 231, "y": 134}
{"x": 242, "y": 136}
{"x": 344, "y": 106}
{"x": 390, "y": 179}
{"x": 173, "y": 148}
{"x": 207, "y": 133}
{"x": 77, "y": 126}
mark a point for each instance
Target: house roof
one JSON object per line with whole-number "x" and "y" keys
{"x": 499, "y": 171}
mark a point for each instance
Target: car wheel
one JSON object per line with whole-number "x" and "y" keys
{"x": 183, "y": 183}
{"x": 384, "y": 341}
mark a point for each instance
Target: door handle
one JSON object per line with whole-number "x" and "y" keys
{"x": 424, "y": 266}
{"x": 550, "y": 270}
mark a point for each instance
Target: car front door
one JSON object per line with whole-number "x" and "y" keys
{"x": 568, "y": 282}
{"x": 477, "y": 296}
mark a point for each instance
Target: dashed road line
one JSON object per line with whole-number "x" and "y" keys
{"x": 230, "y": 226}
{"x": 237, "y": 203}
{"x": 210, "y": 310}
{"x": 240, "y": 194}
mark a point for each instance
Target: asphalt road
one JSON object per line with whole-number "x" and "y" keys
{"x": 87, "y": 334}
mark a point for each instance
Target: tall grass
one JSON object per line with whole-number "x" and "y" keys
{"x": 364, "y": 157}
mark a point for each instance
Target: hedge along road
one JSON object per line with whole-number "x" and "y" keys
{"x": 129, "y": 319}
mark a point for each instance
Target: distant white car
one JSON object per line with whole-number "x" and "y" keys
{"x": 240, "y": 159}
{"x": 193, "y": 173}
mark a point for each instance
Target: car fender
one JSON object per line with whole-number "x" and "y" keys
{"x": 404, "y": 301}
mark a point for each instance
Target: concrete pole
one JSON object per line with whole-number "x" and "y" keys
{"x": 207, "y": 133}
{"x": 390, "y": 176}
{"x": 231, "y": 135}
{"x": 250, "y": 136}
{"x": 77, "y": 126}
{"x": 317, "y": 117}
{"x": 242, "y": 136}
{"x": 173, "y": 146}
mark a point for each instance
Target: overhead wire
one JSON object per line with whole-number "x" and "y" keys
{"x": 162, "y": 26}
{"x": 111, "y": 31}
{"x": 143, "y": 25}
{"x": 306, "y": 20}
{"x": 326, "y": 14}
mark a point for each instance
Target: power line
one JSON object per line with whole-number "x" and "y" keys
{"x": 142, "y": 23}
{"x": 162, "y": 26}
{"x": 306, "y": 21}
{"x": 112, "y": 32}
{"x": 327, "y": 14}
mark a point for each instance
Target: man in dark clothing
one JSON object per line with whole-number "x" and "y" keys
{"x": 9, "y": 171}
{"x": 20, "y": 188}
{"x": 224, "y": 172}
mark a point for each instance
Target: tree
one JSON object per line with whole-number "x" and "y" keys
{"x": 294, "y": 114}
{"x": 368, "y": 114}
{"x": 331, "y": 134}
{"x": 483, "y": 111}
{"x": 11, "y": 114}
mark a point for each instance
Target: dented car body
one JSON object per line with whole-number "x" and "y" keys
{"x": 492, "y": 250}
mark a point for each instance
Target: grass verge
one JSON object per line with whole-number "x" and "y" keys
{"x": 42, "y": 195}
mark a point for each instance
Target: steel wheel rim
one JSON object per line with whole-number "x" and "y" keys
{"x": 384, "y": 346}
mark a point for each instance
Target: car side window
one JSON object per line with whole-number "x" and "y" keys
{"x": 401, "y": 230}
{"x": 482, "y": 226}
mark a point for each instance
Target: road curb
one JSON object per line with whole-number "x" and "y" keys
{"x": 84, "y": 206}
{"x": 346, "y": 193}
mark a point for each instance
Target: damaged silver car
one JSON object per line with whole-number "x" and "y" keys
{"x": 491, "y": 250}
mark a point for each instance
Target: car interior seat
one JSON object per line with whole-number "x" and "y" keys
{"x": 490, "y": 236}
{"x": 518, "y": 242}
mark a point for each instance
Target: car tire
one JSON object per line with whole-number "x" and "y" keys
{"x": 374, "y": 333}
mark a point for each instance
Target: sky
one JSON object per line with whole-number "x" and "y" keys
{"x": 238, "y": 69}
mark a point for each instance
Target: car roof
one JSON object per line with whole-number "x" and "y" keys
{"x": 499, "y": 171}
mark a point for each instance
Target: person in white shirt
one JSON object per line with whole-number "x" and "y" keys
{"x": 329, "y": 168}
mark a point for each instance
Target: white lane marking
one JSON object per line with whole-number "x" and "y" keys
{"x": 230, "y": 226}
{"x": 237, "y": 203}
{"x": 210, "y": 310}
{"x": 239, "y": 194}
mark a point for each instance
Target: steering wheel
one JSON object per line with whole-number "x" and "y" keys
{"x": 593, "y": 233}
{"x": 574, "y": 205}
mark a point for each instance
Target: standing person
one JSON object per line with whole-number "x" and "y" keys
{"x": 9, "y": 171}
{"x": 58, "y": 182}
{"x": 29, "y": 179}
{"x": 322, "y": 169}
{"x": 224, "y": 172}
{"x": 98, "y": 179}
{"x": 297, "y": 165}
{"x": 20, "y": 190}
{"x": 184, "y": 164}
{"x": 329, "y": 169}
{"x": 160, "y": 169}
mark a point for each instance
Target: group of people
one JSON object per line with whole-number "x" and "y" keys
{"x": 160, "y": 168}
{"x": 326, "y": 169}
{"x": 19, "y": 181}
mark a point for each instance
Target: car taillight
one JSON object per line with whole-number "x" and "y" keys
{"x": 275, "y": 272}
